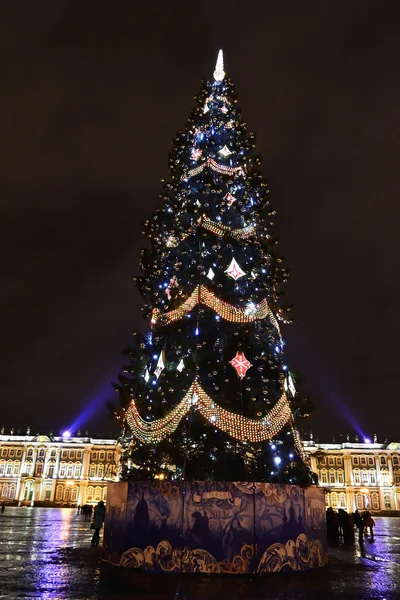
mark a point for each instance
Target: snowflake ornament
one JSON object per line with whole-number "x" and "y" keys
{"x": 234, "y": 270}
{"x": 229, "y": 199}
{"x": 240, "y": 364}
{"x": 196, "y": 153}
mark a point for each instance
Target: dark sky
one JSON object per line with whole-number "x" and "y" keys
{"x": 92, "y": 93}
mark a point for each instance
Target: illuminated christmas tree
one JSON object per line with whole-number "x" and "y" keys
{"x": 207, "y": 393}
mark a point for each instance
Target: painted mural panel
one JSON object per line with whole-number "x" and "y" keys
{"x": 215, "y": 527}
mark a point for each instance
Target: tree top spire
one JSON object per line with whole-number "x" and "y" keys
{"x": 219, "y": 72}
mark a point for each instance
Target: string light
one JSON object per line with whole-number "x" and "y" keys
{"x": 209, "y": 162}
{"x": 201, "y": 295}
{"x": 237, "y": 426}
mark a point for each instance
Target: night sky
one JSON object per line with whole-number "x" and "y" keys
{"x": 92, "y": 94}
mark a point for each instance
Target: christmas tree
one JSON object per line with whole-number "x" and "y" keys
{"x": 207, "y": 393}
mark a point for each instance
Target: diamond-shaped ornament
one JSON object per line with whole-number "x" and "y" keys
{"x": 225, "y": 151}
{"x": 160, "y": 364}
{"x": 241, "y": 364}
{"x": 181, "y": 366}
{"x": 146, "y": 375}
{"x": 210, "y": 274}
{"x": 224, "y": 109}
{"x": 234, "y": 270}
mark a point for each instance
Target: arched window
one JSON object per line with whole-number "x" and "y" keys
{"x": 62, "y": 469}
{"x": 72, "y": 453}
{"x": 53, "y": 453}
{"x": 50, "y": 473}
{"x": 13, "y": 489}
{"x": 340, "y": 477}
{"x": 92, "y": 470}
{"x": 2, "y": 467}
{"x": 70, "y": 467}
{"x": 385, "y": 477}
{"x": 396, "y": 475}
{"x": 41, "y": 453}
{"x": 12, "y": 452}
{"x": 101, "y": 456}
{"x": 67, "y": 493}
{"x": 334, "y": 500}
{"x": 364, "y": 477}
{"x": 9, "y": 469}
{"x": 332, "y": 477}
{"x": 375, "y": 501}
{"x": 47, "y": 495}
{"x": 363, "y": 460}
{"x": 383, "y": 460}
{"x": 387, "y": 502}
{"x": 395, "y": 460}
{"x": 90, "y": 492}
{"x": 356, "y": 475}
{"x": 77, "y": 470}
{"x": 4, "y": 491}
{"x": 59, "y": 492}
{"x": 100, "y": 471}
{"x": 359, "y": 501}
{"x": 104, "y": 494}
{"x": 372, "y": 476}
{"x": 4, "y": 452}
{"x": 29, "y": 467}
{"x": 74, "y": 494}
{"x": 324, "y": 476}
{"x": 97, "y": 493}
{"x": 39, "y": 468}
{"x": 342, "y": 500}
{"x": 29, "y": 452}
{"x": 17, "y": 467}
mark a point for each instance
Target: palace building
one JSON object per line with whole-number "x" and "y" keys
{"x": 44, "y": 470}
{"x": 358, "y": 475}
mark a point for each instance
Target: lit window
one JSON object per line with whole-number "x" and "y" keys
{"x": 371, "y": 461}
{"x": 97, "y": 494}
{"x": 322, "y": 460}
{"x": 109, "y": 456}
{"x": 324, "y": 476}
{"x": 364, "y": 477}
{"x": 79, "y": 454}
{"x": 342, "y": 500}
{"x": 11, "y": 494}
{"x": 29, "y": 453}
{"x": 359, "y": 501}
{"x": 69, "y": 469}
{"x": 363, "y": 460}
{"x": 53, "y": 453}
{"x": 332, "y": 477}
{"x": 340, "y": 477}
{"x": 92, "y": 470}
{"x": 77, "y": 471}
{"x": 339, "y": 461}
{"x": 104, "y": 494}
{"x": 90, "y": 492}
{"x": 395, "y": 460}
{"x": 18, "y": 452}
{"x": 74, "y": 494}
{"x": 51, "y": 470}
{"x": 331, "y": 460}
{"x": 17, "y": 467}
{"x": 9, "y": 468}
{"x": 62, "y": 469}
{"x": 4, "y": 491}
{"x": 12, "y": 452}
{"x": 387, "y": 502}
{"x": 47, "y": 495}
{"x": 4, "y": 452}
{"x": 101, "y": 456}
{"x": 39, "y": 468}
{"x": 100, "y": 471}
{"x": 2, "y": 467}
{"x": 334, "y": 500}
{"x": 94, "y": 455}
{"x": 64, "y": 454}
{"x": 383, "y": 460}
{"x": 59, "y": 492}
{"x": 355, "y": 460}
{"x": 385, "y": 478}
{"x": 41, "y": 453}
{"x": 396, "y": 475}
{"x": 72, "y": 453}
{"x": 372, "y": 476}
{"x": 357, "y": 476}
{"x": 375, "y": 501}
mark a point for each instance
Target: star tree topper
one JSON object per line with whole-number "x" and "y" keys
{"x": 241, "y": 364}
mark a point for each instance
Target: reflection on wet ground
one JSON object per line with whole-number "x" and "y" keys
{"x": 45, "y": 553}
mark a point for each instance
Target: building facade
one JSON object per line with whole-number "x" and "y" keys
{"x": 69, "y": 471}
{"x": 358, "y": 475}
{"x": 72, "y": 471}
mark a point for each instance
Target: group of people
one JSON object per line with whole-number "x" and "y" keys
{"x": 98, "y": 518}
{"x": 340, "y": 525}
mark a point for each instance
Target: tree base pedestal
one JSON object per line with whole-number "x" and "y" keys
{"x": 218, "y": 528}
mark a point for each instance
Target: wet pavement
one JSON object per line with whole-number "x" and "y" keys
{"x": 45, "y": 553}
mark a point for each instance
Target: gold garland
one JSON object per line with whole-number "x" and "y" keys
{"x": 242, "y": 233}
{"x": 215, "y": 167}
{"x": 201, "y": 295}
{"x": 237, "y": 426}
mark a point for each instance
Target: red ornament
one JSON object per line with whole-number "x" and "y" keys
{"x": 241, "y": 364}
